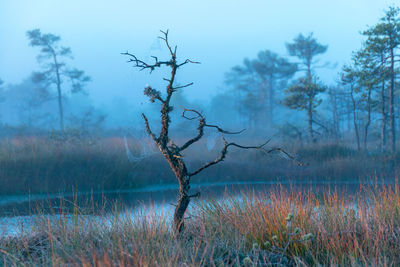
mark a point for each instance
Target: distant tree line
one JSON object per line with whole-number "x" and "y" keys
{"x": 364, "y": 100}
{"x": 361, "y": 107}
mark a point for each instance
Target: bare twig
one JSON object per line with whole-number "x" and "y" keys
{"x": 200, "y": 134}
{"x": 165, "y": 38}
{"x": 191, "y": 118}
{"x": 200, "y": 128}
{"x": 200, "y": 117}
{"x": 188, "y": 61}
{"x": 197, "y": 194}
{"x": 143, "y": 65}
{"x": 146, "y": 121}
{"x": 171, "y": 63}
{"x": 286, "y": 154}
{"x": 183, "y": 86}
{"x": 259, "y": 147}
{"x": 211, "y": 163}
{"x": 224, "y": 131}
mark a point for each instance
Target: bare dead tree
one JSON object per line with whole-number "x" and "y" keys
{"x": 171, "y": 151}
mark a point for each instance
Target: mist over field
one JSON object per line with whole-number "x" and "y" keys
{"x": 98, "y": 32}
{"x": 181, "y": 133}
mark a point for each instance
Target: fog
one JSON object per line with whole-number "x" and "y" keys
{"x": 218, "y": 34}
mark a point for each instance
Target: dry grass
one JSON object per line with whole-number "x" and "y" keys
{"x": 363, "y": 230}
{"x": 44, "y": 165}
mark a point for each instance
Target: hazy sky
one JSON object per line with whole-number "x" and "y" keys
{"x": 217, "y": 33}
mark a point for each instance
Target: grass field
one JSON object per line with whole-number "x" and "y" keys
{"x": 280, "y": 226}
{"x": 277, "y": 226}
{"x": 44, "y": 165}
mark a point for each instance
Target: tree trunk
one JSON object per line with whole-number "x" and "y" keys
{"x": 182, "y": 205}
{"x": 309, "y": 75}
{"x": 384, "y": 115}
{"x": 348, "y": 111}
{"x": 310, "y": 121}
{"x": 391, "y": 104}
{"x": 179, "y": 168}
{"x": 60, "y": 106}
{"x": 355, "y": 119}
{"x": 271, "y": 101}
{"x": 368, "y": 117}
{"x": 59, "y": 93}
{"x": 335, "y": 115}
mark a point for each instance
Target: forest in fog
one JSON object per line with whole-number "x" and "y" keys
{"x": 268, "y": 94}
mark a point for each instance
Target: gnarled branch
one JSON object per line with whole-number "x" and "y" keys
{"x": 183, "y": 86}
{"x": 287, "y": 155}
{"x": 165, "y": 38}
{"x": 148, "y": 130}
{"x": 197, "y": 194}
{"x": 209, "y": 164}
{"x": 201, "y": 117}
{"x": 143, "y": 65}
{"x": 200, "y": 128}
{"x": 171, "y": 63}
{"x": 188, "y": 61}
{"x": 224, "y": 152}
{"x": 224, "y": 131}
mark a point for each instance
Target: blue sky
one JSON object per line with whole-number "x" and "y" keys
{"x": 219, "y": 34}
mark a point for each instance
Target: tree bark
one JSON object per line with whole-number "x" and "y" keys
{"x": 182, "y": 205}
{"x": 179, "y": 168}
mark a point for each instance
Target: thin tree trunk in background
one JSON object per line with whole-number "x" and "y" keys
{"x": 355, "y": 119}
{"x": 334, "y": 115}
{"x": 309, "y": 75}
{"x": 271, "y": 101}
{"x": 392, "y": 124}
{"x": 310, "y": 121}
{"x": 368, "y": 117}
{"x": 59, "y": 93}
{"x": 384, "y": 115}
{"x": 264, "y": 95}
{"x": 309, "y": 110}
{"x": 348, "y": 107}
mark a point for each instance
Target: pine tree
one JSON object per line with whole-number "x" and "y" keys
{"x": 384, "y": 39}
{"x": 303, "y": 95}
{"x": 54, "y": 70}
